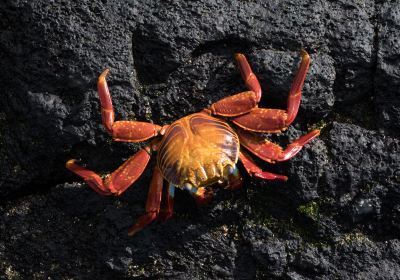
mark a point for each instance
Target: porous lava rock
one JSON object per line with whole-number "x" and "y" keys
{"x": 338, "y": 215}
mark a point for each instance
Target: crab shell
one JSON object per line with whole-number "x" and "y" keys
{"x": 198, "y": 150}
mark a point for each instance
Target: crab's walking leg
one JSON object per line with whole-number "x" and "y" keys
{"x": 235, "y": 105}
{"x": 248, "y": 76}
{"x": 152, "y": 204}
{"x": 118, "y": 181}
{"x": 275, "y": 120}
{"x": 243, "y": 102}
{"x": 168, "y": 203}
{"x": 129, "y": 131}
{"x": 256, "y": 171}
{"x": 271, "y": 152}
{"x": 294, "y": 97}
{"x": 262, "y": 120}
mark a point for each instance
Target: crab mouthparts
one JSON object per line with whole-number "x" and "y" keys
{"x": 229, "y": 171}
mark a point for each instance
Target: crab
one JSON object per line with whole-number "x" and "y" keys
{"x": 201, "y": 150}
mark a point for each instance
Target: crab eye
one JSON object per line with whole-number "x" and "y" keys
{"x": 231, "y": 170}
{"x": 235, "y": 171}
{"x": 189, "y": 187}
{"x": 228, "y": 169}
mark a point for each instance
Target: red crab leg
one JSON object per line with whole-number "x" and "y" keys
{"x": 129, "y": 131}
{"x": 235, "y": 105}
{"x": 120, "y": 179}
{"x": 243, "y": 102}
{"x": 262, "y": 120}
{"x": 248, "y": 76}
{"x": 271, "y": 152}
{"x": 152, "y": 204}
{"x": 297, "y": 85}
{"x": 133, "y": 131}
{"x": 168, "y": 198}
{"x": 256, "y": 171}
{"x": 274, "y": 120}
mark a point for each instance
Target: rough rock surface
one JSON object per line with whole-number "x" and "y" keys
{"x": 338, "y": 217}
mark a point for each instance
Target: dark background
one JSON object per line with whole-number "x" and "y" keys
{"x": 338, "y": 216}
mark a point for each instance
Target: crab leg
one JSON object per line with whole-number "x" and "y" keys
{"x": 129, "y": 131}
{"x": 271, "y": 152}
{"x": 235, "y": 105}
{"x": 243, "y": 102}
{"x": 168, "y": 198}
{"x": 118, "y": 181}
{"x": 256, "y": 171}
{"x": 248, "y": 76}
{"x": 294, "y": 97}
{"x": 262, "y": 120}
{"x": 274, "y": 120}
{"x": 152, "y": 204}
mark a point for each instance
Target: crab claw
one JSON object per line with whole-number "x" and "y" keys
{"x": 234, "y": 179}
{"x": 201, "y": 195}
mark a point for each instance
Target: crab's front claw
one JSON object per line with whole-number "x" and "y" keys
{"x": 203, "y": 196}
{"x": 235, "y": 180}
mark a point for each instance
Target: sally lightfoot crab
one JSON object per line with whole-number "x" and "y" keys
{"x": 200, "y": 150}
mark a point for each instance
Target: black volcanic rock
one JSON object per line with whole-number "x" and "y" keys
{"x": 338, "y": 215}
{"x": 387, "y": 83}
